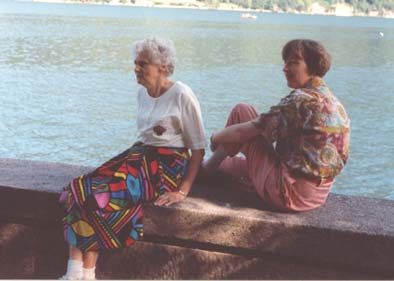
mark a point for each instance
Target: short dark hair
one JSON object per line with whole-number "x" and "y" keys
{"x": 316, "y": 57}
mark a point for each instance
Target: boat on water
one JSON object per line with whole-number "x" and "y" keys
{"x": 248, "y": 16}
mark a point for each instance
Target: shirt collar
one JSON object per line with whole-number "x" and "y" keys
{"x": 315, "y": 82}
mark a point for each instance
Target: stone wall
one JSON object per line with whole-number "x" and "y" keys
{"x": 218, "y": 232}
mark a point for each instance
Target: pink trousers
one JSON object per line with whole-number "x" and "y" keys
{"x": 271, "y": 178}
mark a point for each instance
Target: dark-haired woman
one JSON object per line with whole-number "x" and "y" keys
{"x": 292, "y": 153}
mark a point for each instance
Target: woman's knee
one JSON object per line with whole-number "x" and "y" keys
{"x": 242, "y": 112}
{"x": 240, "y": 107}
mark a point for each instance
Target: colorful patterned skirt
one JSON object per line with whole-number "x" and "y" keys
{"x": 104, "y": 207}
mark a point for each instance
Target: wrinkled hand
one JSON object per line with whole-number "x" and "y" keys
{"x": 169, "y": 198}
{"x": 213, "y": 145}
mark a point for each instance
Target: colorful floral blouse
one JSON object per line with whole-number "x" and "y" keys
{"x": 311, "y": 130}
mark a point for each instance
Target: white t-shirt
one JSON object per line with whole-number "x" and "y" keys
{"x": 173, "y": 119}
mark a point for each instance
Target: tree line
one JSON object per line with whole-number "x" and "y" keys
{"x": 359, "y": 6}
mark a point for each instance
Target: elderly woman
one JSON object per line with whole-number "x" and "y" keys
{"x": 104, "y": 207}
{"x": 293, "y": 152}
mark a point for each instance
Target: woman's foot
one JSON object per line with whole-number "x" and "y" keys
{"x": 74, "y": 270}
{"x": 67, "y": 277}
{"x": 89, "y": 273}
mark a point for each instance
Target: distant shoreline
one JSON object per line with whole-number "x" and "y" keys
{"x": 224, "y": 7}
{"x": 250, "y": 13}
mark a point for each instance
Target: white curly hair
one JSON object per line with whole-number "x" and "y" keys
{"x": 160, "y": 51}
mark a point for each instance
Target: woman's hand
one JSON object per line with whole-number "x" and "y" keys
{"x": 213, "y": 146}
{"x": 169, "y": 198}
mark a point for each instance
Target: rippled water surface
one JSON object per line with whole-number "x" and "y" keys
{"x": 67, "y": 89}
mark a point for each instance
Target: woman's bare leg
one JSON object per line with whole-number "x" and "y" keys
{"x": 74, "y": 264}
{"x": 90, "y": 259}
{"x": 75, "y": 253}
{"x": 89, "y": 265}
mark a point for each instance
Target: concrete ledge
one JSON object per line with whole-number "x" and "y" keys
{"x": 219, "y": 232}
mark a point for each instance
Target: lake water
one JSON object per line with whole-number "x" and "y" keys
{"x": 67, "y": 88}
